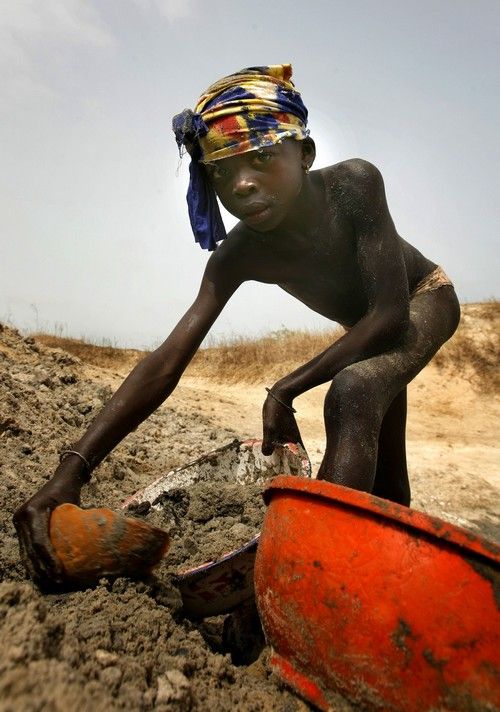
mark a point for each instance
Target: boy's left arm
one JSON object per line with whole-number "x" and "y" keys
{"x": 385, "y": 283}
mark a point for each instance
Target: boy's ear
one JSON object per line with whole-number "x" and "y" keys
{"x": 308, "y": 152}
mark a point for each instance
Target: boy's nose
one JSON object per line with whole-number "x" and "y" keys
{"x": 244, "y": 183}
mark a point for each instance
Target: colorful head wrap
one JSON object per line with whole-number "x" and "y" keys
{"x": 254, "y": 108}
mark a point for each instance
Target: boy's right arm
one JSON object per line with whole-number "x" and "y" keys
{"x": 142, "y": 392}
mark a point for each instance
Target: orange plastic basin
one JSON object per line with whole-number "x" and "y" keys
{"x": 382, "y": 605}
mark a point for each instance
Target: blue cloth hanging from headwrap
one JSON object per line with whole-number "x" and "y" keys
{"x": 204, "y": 212}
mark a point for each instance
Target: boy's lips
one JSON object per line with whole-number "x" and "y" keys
{"x": 256, "y": 213}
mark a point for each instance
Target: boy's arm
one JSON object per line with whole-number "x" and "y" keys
{"x": 146, "y": 387}
{"x": 385, "y": 283}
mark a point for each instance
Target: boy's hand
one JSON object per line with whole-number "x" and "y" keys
{"x": 279, "y": 424}
{"x": 31, "y": 521}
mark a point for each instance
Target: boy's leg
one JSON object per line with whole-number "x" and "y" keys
{"x": 391, "y": 475}
{"x": 361, "y": 395}
{"x": 353, "y": 411}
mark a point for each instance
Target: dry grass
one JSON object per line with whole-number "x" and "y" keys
{"x": 246, "y": 360}
{"x": 104, "y": 356}
{"x": 472, "y": 353}
{"x": 239, "y": 360}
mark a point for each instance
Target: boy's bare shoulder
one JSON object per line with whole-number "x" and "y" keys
{"x": 355, "y": 173}
{"x": 356, "y": 186}
{"x": 233, "y": 246}
{"x": 239, "y": 244}
{"x": 232, "y": 256}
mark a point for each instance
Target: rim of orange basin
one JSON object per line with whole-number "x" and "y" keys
{"x": 382, "y": 508}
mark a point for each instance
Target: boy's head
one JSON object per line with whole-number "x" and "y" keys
{"x": 251, "y": 110}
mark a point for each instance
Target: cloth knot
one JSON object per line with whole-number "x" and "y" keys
{"x": 188, "y": 128}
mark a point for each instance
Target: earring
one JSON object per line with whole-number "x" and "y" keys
{"x": 306, "y": 168}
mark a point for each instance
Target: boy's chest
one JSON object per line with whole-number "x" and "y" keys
{"x": 324, "y": 275}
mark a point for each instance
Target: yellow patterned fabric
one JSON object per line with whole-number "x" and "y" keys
{"x": 253, "y": 108}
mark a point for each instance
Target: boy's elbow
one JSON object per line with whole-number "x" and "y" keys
{"x": 157, "y": 374}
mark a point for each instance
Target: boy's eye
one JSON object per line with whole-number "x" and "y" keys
{"x": 215, "y": 171}
{"x": 263, "y": 156}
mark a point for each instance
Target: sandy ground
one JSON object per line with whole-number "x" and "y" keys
{"x": 122, "y": 644}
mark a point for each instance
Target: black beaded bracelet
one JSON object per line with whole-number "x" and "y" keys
{"x": 285, "y": 405}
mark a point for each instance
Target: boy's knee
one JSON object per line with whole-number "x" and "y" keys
{"x": 351, "y": 391}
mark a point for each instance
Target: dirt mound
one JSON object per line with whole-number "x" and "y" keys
{"x": 122, "y": 644}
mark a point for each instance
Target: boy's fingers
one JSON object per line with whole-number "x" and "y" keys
{"x": 268, "y": 444}
{"x": 267, "y": 449}
{"x": 36, "y": 550}
{"x": 40, "y": 565}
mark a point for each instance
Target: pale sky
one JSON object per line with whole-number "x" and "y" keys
{"x": 96, "y": 240}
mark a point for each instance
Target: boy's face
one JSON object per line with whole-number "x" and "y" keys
{"x": 260, "y": 187}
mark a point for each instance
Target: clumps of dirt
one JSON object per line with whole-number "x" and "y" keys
{"x": 121, "y": 645}
{"x": 206, "y": 520}
{"x": 114, "y": 647}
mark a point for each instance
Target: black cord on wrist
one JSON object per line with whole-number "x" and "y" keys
{"x": 67, "y": 453}
{"x": 285, "y": 405}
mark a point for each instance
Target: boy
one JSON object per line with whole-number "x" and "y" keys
{"x": 325, "y": 237}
